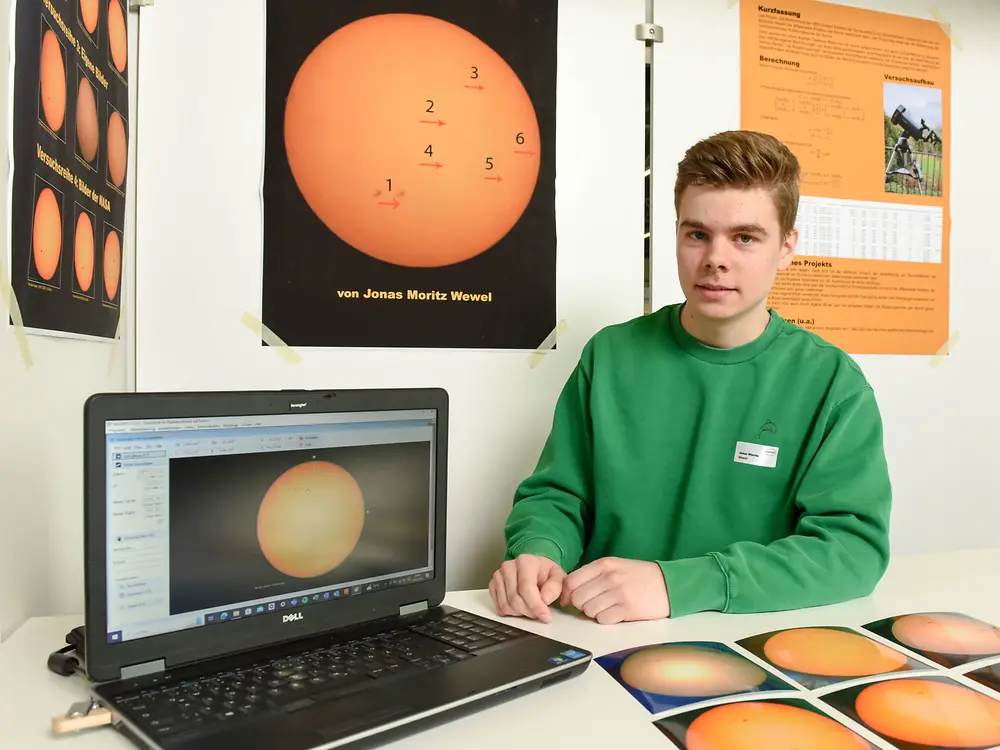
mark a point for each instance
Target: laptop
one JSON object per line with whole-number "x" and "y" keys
{"x": 267, "y": 569}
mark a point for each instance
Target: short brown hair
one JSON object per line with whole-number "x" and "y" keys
{"x": 744, "y": 159}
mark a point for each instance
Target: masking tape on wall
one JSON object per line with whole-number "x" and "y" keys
{"x": 550, "y": 341}
{"x": 10, "y": 304}
{"x": 945, "y": 350}
{"x": 945, "y": 26}
{"x": 268, "y": 337}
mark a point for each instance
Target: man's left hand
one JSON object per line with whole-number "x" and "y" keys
{"x": 614, "y": 589}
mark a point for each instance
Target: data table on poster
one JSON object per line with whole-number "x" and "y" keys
{"x": 837, "y": 228}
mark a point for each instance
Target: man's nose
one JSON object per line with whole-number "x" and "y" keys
{"x": 717, "y": 254}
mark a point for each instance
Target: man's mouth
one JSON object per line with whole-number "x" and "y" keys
{"x": 716, "y": 287}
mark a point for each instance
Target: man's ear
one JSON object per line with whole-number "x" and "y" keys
{"x": 787, "y": 251}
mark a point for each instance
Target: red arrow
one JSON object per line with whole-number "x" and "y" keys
{"x": 498, "y": 179}
{"x": 436, "y": 165}
{"x": 394, "y": 203}
{"x": 528, "y": 153}
{"x": 480, "y": 87}
{"x": 439, "y": 123}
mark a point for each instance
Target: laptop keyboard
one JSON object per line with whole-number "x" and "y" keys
{"x": 467, "y": 632}
{"x": 316, "y": 674}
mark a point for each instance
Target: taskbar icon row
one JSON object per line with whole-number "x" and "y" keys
{"x": 240, "y": 613}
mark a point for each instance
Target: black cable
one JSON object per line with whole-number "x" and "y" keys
{"x": 67, "y": 660}
{"x": 62, "y": 663}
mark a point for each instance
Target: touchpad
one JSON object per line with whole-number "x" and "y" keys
{"x": 342, "y": 717}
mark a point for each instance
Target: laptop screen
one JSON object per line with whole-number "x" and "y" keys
{"x": 216, "y": 519}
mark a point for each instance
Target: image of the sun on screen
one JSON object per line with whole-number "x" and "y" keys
{"x": 247, "y": 526}
{"x": 310, "y": 519}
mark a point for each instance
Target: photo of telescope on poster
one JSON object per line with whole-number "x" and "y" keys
{"x": 913, "y": 146}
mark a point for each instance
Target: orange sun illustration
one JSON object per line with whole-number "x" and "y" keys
{"x": 412, "y": 140}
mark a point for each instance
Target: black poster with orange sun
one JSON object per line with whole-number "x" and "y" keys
{"x": 70, "y": 154}
{"x": 409, "y": 173}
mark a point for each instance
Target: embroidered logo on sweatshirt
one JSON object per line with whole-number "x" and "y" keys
{"x": 767, "y": 427}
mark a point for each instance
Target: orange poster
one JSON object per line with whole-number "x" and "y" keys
{"x": 863, "y": 100}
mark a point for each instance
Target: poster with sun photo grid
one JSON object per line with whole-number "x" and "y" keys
{"x": 408, "y": 192}
{"x": 68, "y": 152}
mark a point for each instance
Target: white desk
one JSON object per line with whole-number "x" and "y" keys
{"x": 589, "y": 711}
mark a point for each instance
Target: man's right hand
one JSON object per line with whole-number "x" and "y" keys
{"x": 526, "y": 586}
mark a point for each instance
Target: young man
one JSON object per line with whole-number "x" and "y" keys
{"x": 709, "y": 456}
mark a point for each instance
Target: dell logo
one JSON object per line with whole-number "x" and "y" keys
{"x": 297, "y": 406}
{"x": 290, "y": 618}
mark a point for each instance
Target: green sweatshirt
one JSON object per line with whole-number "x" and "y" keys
{"x": 754, "y": 476}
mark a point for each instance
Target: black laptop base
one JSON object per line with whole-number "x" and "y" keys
{"x": 360, "y": 688}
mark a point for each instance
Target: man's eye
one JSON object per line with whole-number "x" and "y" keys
{"x": 697, "y": 235}
{"x": 746, "y": 238}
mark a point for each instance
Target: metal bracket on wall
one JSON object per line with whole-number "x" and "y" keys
{"x": 134, "y": 5}
{"x": 648, "y": 32}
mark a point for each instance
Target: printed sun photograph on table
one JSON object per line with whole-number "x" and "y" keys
{"x": 667, "y": 676}
{"x": 932, "y": 712}
{"x": 815, "y": 657}
{"x": 988, "y": 676}
{"x": 770, "y": 724}
{"x": 950, "y": 639}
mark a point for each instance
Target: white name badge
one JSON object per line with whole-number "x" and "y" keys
{"x": 756, "y": 455}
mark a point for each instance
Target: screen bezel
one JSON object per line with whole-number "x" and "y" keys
{"x": 104, "y": 661}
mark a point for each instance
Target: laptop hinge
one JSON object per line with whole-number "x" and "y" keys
{"x": 409, "y": 609}
{"x": 141, "y": 670}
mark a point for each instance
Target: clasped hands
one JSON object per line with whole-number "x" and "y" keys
{"x": 608, "y": 590}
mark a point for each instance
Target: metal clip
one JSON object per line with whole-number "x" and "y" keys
{"x": 82, "y": 708}
{"x": 649, "y": 32}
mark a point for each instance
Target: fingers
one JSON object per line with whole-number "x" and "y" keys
{"x": 509, "y": 576}
{"x": 531, "y": 595}
{"x": 525, "y": 587}
{"x": 576, "y": 579}
{"x": 597, "y": 604}
{"x": 499, "y": 596}
{"x": 553, "y": 586}
{"x": 614, "y": 614}
{"x": 590, "y": 590}
{"x": 520, "y": 584}
{"x": 599, "y": 600}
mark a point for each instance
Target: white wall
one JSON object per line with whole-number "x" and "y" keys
{"x": 189, "y": 333}
{"x": 41, "y": 441}
{"x": 940, "y": 422}
{"x": 194, "y": 338}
